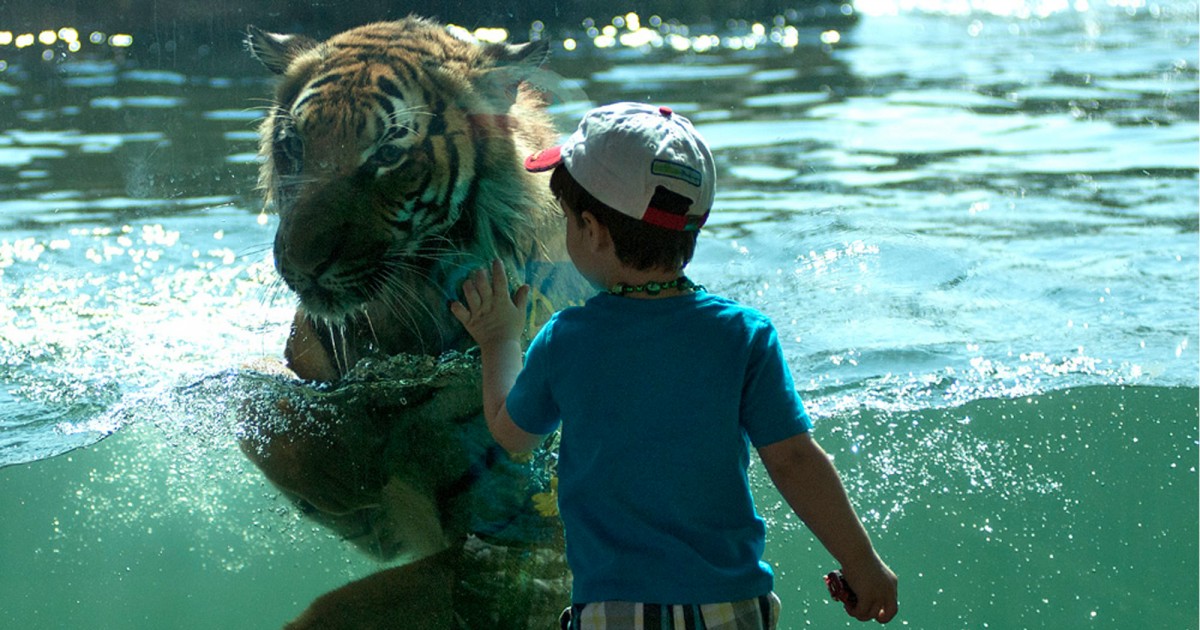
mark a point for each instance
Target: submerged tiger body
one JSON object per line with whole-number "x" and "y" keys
{"x": 393, "y": 157}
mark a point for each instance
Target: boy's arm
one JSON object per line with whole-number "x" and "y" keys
{"x": 806, "y": 478}
{"x": 495, "y": 321}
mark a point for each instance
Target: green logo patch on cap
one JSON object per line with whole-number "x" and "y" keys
{"x": 674, "y": 170}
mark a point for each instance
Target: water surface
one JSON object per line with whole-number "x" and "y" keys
{"x": 976, "y": 231}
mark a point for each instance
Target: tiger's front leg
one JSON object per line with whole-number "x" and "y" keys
{"x": 306, "y": 355}
{"x": 330, "y": 460}
{"x": 326, "y": 449}
{"x": 326, "y": 457}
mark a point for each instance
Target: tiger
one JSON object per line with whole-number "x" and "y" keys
{"x": 392, "y": 155}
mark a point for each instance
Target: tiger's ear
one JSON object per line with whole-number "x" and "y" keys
{"x": 276, "y": 51}
{"x": 512, "y": 64}
{"x": 529, "y": 55}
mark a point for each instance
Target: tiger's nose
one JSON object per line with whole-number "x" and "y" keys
{"x": 307, "y": 251}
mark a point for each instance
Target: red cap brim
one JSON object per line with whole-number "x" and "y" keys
{"x": 544, "y": 160}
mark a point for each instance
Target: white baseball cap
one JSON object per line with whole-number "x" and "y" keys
{"x": 622, "y": 153}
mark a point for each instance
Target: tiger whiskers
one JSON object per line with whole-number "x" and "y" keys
{"x": 273, "y": 290}
{"x": 267, "y": 108}
{"x": 341, "y": 363}
{"x": 400, "y": 294}
{"x": 345, "y": 361}
{"x": 286, "y": 181}
{"x": 393, "y": 119}
{"x": 402, "y": 300}
{"x": 451, "y": 253}
{"x": 394, "y": 300}
{"x": 366, "y": 314}
{"x": 254, "y": 251}
{"x": 268, "y": 296}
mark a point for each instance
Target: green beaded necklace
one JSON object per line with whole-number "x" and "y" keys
{"x": 654, "y": 288}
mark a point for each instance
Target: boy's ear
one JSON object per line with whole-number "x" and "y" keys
{"x": 597, "y": 234}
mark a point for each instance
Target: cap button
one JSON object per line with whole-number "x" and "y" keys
{"x": 665, "y": 111}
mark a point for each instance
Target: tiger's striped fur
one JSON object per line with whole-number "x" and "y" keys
{"x": 392, "y": 154}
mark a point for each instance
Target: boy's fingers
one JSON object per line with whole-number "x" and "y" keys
{"x": 521, "y": 297}
{"x": 460, "y": 312}
{"x": 888, "y": 612}
{"x": 481, "y": 284}
{"x": 499, "y": 278}
{"x": 861, "y": 609}
{"x": 872, "y": 610}
{"x": 470, "y": 294}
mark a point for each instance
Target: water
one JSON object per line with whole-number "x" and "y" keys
{"x": 975, "y": 228}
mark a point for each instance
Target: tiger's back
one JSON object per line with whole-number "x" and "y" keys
{"x": 392, "y": 154}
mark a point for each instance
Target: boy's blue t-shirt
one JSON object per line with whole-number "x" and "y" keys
{"x": 659, "y": 400}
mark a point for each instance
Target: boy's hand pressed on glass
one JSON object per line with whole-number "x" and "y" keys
{"x": 495, "y": 320}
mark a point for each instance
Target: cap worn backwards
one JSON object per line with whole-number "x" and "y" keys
{"x": 627, "y": 154}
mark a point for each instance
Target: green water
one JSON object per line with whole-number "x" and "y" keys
{"x": 1069, "y": 509}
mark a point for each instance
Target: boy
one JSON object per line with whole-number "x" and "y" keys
{"x": 659, "y": 387}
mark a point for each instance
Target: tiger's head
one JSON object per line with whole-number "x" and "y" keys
{"x": 392, "y": 154}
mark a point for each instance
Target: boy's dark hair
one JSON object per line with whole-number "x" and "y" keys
{"x": 637, "y": 243}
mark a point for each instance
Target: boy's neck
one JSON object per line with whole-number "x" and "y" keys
{"x": 631, "y": 277}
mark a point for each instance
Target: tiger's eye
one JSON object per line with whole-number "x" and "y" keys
{"x": 290, "y": 145}
{"x": 387, "y": 155}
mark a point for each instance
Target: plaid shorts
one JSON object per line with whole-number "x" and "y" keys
{"x": 760, "y": 613}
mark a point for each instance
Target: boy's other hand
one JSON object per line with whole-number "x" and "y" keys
{"x": 490, "y": 314}
{"x": 875, "y": 587}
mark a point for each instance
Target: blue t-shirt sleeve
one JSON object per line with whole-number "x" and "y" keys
{"x": 530, "y": 402}
{"x": 771, "y": 407}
